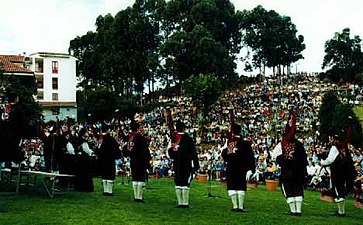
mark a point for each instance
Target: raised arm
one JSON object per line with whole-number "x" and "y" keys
{"x": 293, "y": 126}
{"x": 348, "y": 135}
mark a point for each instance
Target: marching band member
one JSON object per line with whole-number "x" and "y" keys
{"x": 291, "y": 156}
{"x": 138, "y": 151}
{"x": 185, "y": 163}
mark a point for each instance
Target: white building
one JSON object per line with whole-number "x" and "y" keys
{"x": 55, "y": 74}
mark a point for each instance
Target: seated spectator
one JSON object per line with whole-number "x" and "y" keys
{"x": 358, "y": 184}
{"x": 311, "y": 170}
{"x": 321, "y": 179}
{"x": 219, "y": 168}
{"x": 270, "y": 172}
{"x": 260, "y": 169}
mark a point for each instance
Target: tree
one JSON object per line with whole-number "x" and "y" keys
{"x": 334, "y": 116}
{"x": 120, "y": 55}
{"x": 272, "y": 38}
{"x": 100, "y": 103}
{"x": 204, "y": 90}
{"x": 200, "y": 37}
{"x": 343, "y": 57}
{"x": 25, "y": 88}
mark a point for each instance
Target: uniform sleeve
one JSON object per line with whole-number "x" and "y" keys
{"x": 224, "y": 154}
{"x": 277, "y": 151}
{"x": 251, "y": 158}
{"x": 86, "y": 149}
{"x": 147, "y": 153}
{"x": 333, "y": 153}
{"x": 171, "y": 153}
{"x": 125, "y": 151}
{"x": 293, "y": 127}
{"x": 194, "y": 155}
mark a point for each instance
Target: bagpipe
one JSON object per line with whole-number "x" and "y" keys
{"x": 6, "y": 112}
{"x": 230, "y": 134}
{"x": 169, "y": 121}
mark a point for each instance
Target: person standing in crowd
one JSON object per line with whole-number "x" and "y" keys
{"x": 238, "y": 155}
{"x": 53, "y": 154}
{"x": 185, "y": 163}
{"x": 84, "y": 180}
{"x": 69, "y": 153}
{"x": 342, "y": 168}
{"x": 291, "y": 156}
{"x": 138, "y": 151}
{"x": 357, "y": 184}
{"x": 12, "y": 130}
{"x": 106, "y": 153}
{"x": 11, "y": 133}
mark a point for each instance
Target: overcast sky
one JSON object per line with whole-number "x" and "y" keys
{"x": 48, "y": 25}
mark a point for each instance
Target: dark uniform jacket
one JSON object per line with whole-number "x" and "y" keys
{"x": 293, "y": 162}
{"x": 239, "y": 159}
{"x": 11, "y": 132}
{"x": 139, "y": 154}
{"x": 185, "y": 159}
{"x": 106, "y": 157}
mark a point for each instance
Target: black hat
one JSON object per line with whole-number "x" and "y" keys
{"x": 180, "y": 126}
{"x": 134, "y": 126}
{"x": 287, "y": 129}
{"x": 105, "y": 128}
{"x": 237, "y": 129}
{"x": 82, "y": 132}
{"x": 11, "y": 96}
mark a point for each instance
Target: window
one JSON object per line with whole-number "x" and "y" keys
{"x": 54, "y": 66}
{"x": 55, "y": 96}
{"x": 40, "y": 95}
{"x": 40, "y": 84}
{"x": 55, "y": 83}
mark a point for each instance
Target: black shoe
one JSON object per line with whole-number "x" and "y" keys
{"x": 289, "y": 213}
{"x": 3, "y": 210}
{"x": 139, "y": 200}
{"x": 241, "y": 210}
{"x": 297, "y": 214}
{"x": 235, "y": 210}
{"x": 183, "y": 206}
{"x": 337, "y": 214}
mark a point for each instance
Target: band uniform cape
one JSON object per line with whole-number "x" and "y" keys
{"x": 239, "y": 158}
{"x": 185, "y": 159}
{"x": 139, "y": 154}
{"x": 343, "y": 171}
{"x": 53, "y": 153}
{"x": 11, "y": 132}
{"x": 107, "y": 154}
{"x": 84, "y": 169}
{"x": 293, "y": 164}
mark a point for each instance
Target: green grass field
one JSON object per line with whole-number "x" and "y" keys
{"x": 32, "y": 206}
{"x": 359, "y": 113}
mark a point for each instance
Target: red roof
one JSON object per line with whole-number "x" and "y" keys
{"x": 8, "y": 64}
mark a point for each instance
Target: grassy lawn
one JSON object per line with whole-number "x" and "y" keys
{"x": 359, "y": 113}
{"x": 33, "y": 206}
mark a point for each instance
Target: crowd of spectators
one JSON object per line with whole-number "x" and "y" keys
{"x": 262, "y": 109}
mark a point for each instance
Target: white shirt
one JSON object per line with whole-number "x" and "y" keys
{"x": 333, "y": 153}
{"x": 70, "y": 148}
{"x": 86, "y": 149}
{"x": 277, "y": 151}
{"x": 311, "y": 170}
